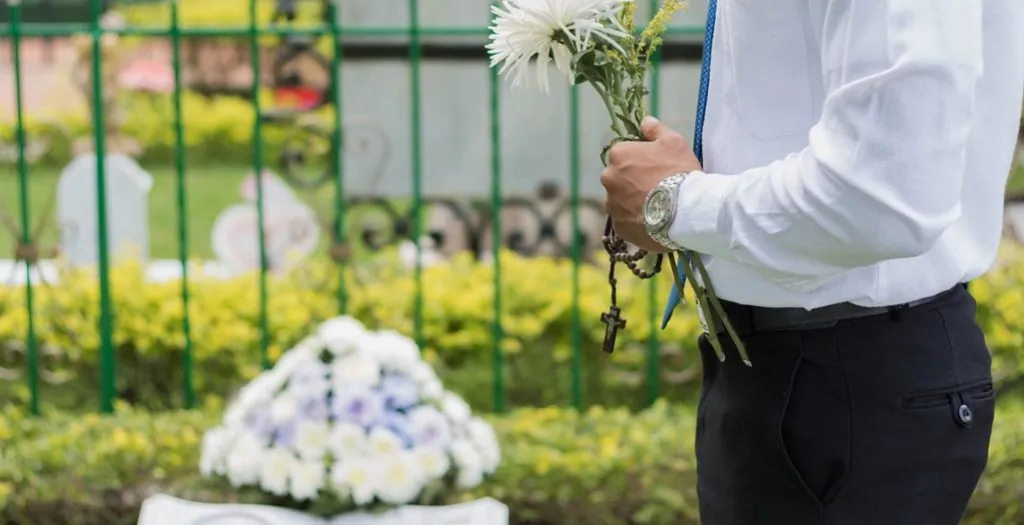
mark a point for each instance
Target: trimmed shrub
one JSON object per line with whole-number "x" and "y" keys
{"x": 458, "y": 332}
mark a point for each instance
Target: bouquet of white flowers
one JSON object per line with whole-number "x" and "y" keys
{"x": 350, "y": 419}
{"x": 596, "y": 42}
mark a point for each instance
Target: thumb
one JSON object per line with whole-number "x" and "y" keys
{"x": 651, "y": 128}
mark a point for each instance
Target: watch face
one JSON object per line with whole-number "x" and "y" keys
{"x": 657, "y": 208}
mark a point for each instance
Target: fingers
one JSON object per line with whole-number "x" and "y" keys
{"x": 607, "y": 178}
{"x": 621, "y": 152}
{"x": 651, "y": 128}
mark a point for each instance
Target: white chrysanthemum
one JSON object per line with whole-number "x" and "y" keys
{"x": 422, "y": 373}
{"x": 383, "y": 443}
{"x": 257, "y": 393}
{"x": 401, "y": 479}
{"x": 467, "y": 463}
{"x": 284, "y": 408}
{"x": 432, "y": 390}
{"x": 394, "y": 351}
{"x": 236, "y": 413}
{"x": 268, "y": 383}
{"x": 312, "y": 439}
{"x": 433, "y": 462}
{"x": 276, "y": 467}
{"x": 426, "y": 379}
{"x": 429, "y": 428}
{"x": 348, "y": 440}
{"x": 356, "y": 368}
{"x": 309, "y": 380}
{"x": 357, "y": 478}
{"x": 455, "y": 408}
{"x": 243, "y": 462}
{"x": 486, "y": 442}
{"x": 216, "y": 445}
{"x": 305, "y": 352}
{"x": 550, "y": 29}
{"x": 342, "y": 334}
{"x": 307, "y": 479}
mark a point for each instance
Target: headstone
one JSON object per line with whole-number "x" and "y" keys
{"x": 127, "y": 193}
{"x": 291, "y": 230}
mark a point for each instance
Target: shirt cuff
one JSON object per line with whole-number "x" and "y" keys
{"x": 696, "y": 224}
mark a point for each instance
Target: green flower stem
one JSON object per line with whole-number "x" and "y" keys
{"x": 675, "y": 277}
{"x": 609, "y": 104}
{"x": 713, "y": 296}
{"x": 701, "y": 299}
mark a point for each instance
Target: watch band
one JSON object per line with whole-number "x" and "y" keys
{"x": 659, "y": 232}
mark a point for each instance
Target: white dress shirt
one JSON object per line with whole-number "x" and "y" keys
{"x": 854, "y": 150}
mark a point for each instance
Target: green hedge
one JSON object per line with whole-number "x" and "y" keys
{"x": 560, "y": 467}
{"x": 537, "y": 322}
{"x": 537, "y": 329}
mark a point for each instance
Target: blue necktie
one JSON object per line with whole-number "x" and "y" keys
{"x": 698, "y": 139}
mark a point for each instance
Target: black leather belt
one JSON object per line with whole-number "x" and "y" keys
{"x": 752, "y": 319}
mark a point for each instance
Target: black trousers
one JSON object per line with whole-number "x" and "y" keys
{"x": 875, "y": 421}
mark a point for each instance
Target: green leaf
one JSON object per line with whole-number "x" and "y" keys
{"x": 583, "y": 58}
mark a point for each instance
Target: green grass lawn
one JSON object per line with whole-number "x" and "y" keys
{"x": 210, "y": 189}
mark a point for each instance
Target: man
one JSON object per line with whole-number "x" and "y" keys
{"x": 856, "y": 156}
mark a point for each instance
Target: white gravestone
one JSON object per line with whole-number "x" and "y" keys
{"x": 166, "y": 510}
{"x": 291, "y": 230}
{"x": 127, "y": 192}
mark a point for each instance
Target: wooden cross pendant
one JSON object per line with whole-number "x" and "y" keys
{"x": 613, "y": 323}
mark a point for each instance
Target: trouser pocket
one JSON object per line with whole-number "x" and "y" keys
{"x": 815, "y": 425}
{"x": 962, "y": 401}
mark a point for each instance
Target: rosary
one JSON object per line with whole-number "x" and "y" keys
{"x": 618, "y": 252}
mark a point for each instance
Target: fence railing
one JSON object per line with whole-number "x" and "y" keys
{"x": 334, "y": 29}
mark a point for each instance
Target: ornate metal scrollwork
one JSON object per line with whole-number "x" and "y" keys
{"x": 364, "y": 141}
{"x": 530, "y": 227}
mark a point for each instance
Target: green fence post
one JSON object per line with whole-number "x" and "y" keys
{"x": 257, "y": 166}
{"x": 417, "y": 163}
{"x": 339, "y": 159}
{"x": 574, "y": 203}
{"x": 107, "y": 359}
{"x": 179, "y": 164}
{"x": 31, "y": 352}
{"x": 497, "y": 329}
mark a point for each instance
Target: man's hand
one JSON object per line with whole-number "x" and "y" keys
{"x": 634, "y": 168}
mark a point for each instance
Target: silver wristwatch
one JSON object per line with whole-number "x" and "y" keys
{"x": 660, "y": 210}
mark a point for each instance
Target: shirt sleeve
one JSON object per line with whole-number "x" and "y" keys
{"x": 883, "y": 172}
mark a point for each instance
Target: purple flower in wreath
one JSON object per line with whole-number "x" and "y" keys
{"x": 398, "y": 391}
{"x": 284, "y": 434}
{"x": 315, "y": 409}
{"x": 357, "y": 405}
{"x": 258, "y": 421}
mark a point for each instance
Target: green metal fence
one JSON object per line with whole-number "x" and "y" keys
{"x": 17, "y": 31}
